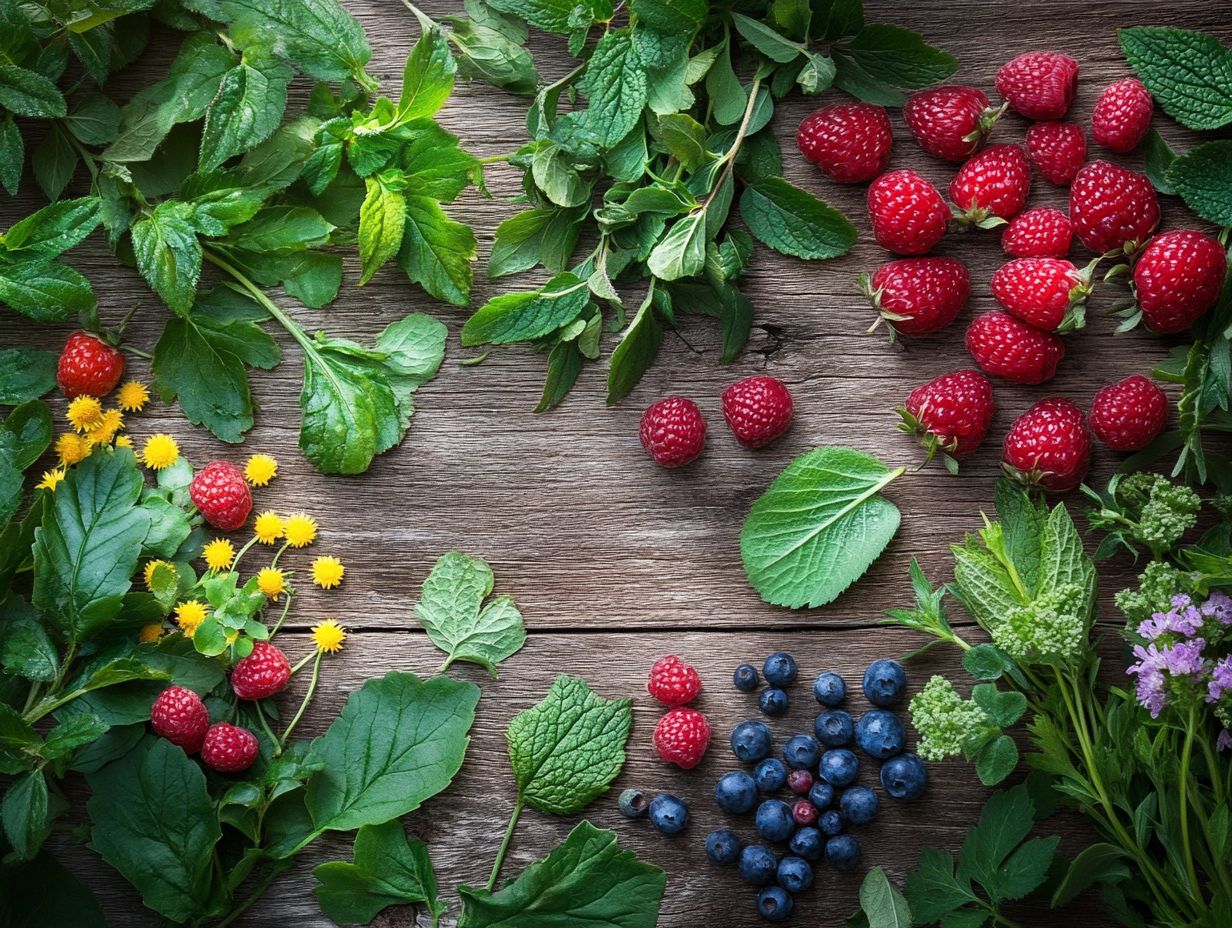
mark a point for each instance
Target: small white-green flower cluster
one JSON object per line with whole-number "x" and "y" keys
{"x": 944, "y": 720}
{"x": 1049, "y": 629}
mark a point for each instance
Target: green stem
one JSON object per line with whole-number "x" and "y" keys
{"x": 235, "y": 561}
{"x": 496, "y": 159}
{"x": 504, "y": 848}
{"x": 312, "y": 686}
{"x": 265, "y": 727}
{"x": 257, "y": 892}
{"x": 286, "y": 607}
{"x": 729, "y": 157}
{"x": 1186, "y": 755}
{"x": 307, "y": 657}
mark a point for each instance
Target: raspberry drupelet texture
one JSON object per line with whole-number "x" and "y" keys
{"x": 673, "y": 682}
{"x": 179, "y": 715}
{"x": 222, "y": 495}
{"x": 1005, "y": 346}
{"x": 993, "y": 183}
{"x": 229, "y": 748}
{"x": 1057, "y": 149}
{"x": 1113, "y": 209}
{"x": 908, "y": 215}
{"x": 850, "y": 142}
{"x": 1047, "y": 293}
{"x": 1130, "y": 414}
{"x": 950, "y": 413}
{"x": 1042, "y": 232}
{"x": 88, "y": 366}
{"x": 757, "y": 410}
{"x": 918, "y": 296}
{"x": 681, "y": 737}
{"x": 1178, "y": 278}
{"x": 950, "y": 122}
{"x": 261, "y": 674}
{"x": 673, "y": 431}
{"x": 1039, "y": 85}
{"x": 1122, "y": 115}
{"x": 1049, "y": 445}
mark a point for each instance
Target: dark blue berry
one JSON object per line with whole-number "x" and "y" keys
{"x": 772, "y": 701}
{"x": 834, "y": 729}
{"x": 829, "y": 689}
{"x": 885, "y": 681}
{"x": 757, "y": 865}
{"x": 723, "y": 846}
{"x": 780, "y": 669}
{"x": 751, "y": 741}
{"x": 839, "y": 767}
{"x": 807, "y": 843}
{"x": 822, "y": 794}
{"x": 880, "y": 734}
{"x": 774, "y": 904}
{"x": 795, "y": 875}
{"x": 634, "y": 803}
{"x": 668, "y": 814}
{"x": 801, "y": 751}
{"x": 736, "y": 792}
{"x": 904, "y": 776}
{"x": 774, "y": 820}
{"x": 832, "y": 822}
{"x": 859, "y": 804}
{"x": 745, "y": 678}
{"x": 843, "y": 853}
{"x": 770, "y": 774}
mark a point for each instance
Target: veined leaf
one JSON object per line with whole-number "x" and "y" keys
{"x": 615, "y": 88}
{"x": 249, "y": 107}
{"x": 381, "y": 221}
{"x": 794, "y": 221}
{"x": 516, "y": 317}
{"x": 388, "y": 869}
{"x": 436, "y": 252}
{"x": 46, "y": 291}
{"x": 168, "y": 253}
{"x": 452, "y": 609}
{"x": 427, "y": 79}
{"x": 28, "y": 93}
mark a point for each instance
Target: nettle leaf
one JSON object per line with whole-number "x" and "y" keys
{"x": 615, "y": 87}
{"x": 388, "y": 869}
{"x": 26, "y": 374}
{"x": 249, "y": 107}
{"x": 44, "y": 290}
{"x": 168, "y": 253}
{"x": 1203, "y": 179}
{"x": 1188, "y": 73}
{"x": 932, "y": 890}
{"x": 516, "y": 317}
{"x": 28, "y": 93}
{"x": 492, "y": 55}
{"x": 452, "y": 609}
{"x": 95, "y": 120}
{"x": 794, "y": 221}
{"x": 27, "y": 812}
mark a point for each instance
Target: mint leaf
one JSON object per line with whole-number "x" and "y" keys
{"x": 882, "y": 903}
{"x": 168, "y": 253}
{"x": 28, "y": 93}
{"x": 631, "y": 358}
{"x": 671, "y": 17}
{"x": 12, "y": 155}
{"x": 46, "y": 291}
{"x": 548, "y": 15}
{"x": 1203, "y": 179}
{"x": 899, "y": 57}
{"x": 381, "y": 220}
{"x": 53, "y": 229}
{"x": 491, "y": 55}
{"x": 932, "y": 890}
{"x": 568, "y": 748}
{"x": 26, "y": 433}
{"x": 544, "y": 236}
{"x": 94, "y": 120}
{"x": 437, "y": 253}
{"x": 249, "y": 107}
{"x": 615, "y": 86}
{"x": 1005, "y": 821}
{"x": 26, "y": 650}
{"x": 682, "y": 251}
{"x": 1157, "y": 158}
{"x": 818, "y": 527}
{"x": 427, "y": 79}
{"x": 27, "y": 813}
{"x": 516, "y": 317}
{"x": 774, "y": 45}
{"x": 794, "y": 221}
{"x": 388, "y": 869}
{"x": 1188, "y": 73}
{"x": 26, "y": 374}
{"x": 452, "y": 610}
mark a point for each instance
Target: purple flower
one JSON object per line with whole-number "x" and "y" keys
{"x": 1156, "y": 665}
{"x": 1184, "y": 621}
{"x": 1224, "y": 741}
{"x": 1218, "y": 606}
{"x": 1221, "y": 680}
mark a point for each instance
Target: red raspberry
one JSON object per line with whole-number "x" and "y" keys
{"x": 1049, "y": 445}
{"x": 849, "y": 141}
{"x": 757, "y": 409}
{"x": 994, "y": 183}
{"x": 262, "y": 673}
{"x": 1112, "y": 208}
{"x": 1129, "y": 415}
{"x": 681, "y": 738}
{"x": 1008, "y": 347}
{"x": 908, "y": 214}
{"x": 1122, "y": 115}
{"x": 1178, "y": 279}
{"x": 88, "y": 366}
{"x": 917, "y": 296}
{"x": 1057, "y": 149}
{"x": 229, "y": 748}
{"x": 673, "y": 682}
{"x": 673, "y": 431}
{"x": 950, "y": 413}
{"x": 1042, "y": 232}
{"x": 180, "y": 716}
{"x": 1039, "y": 85}
{"x": 1047, "y": 293}
{"x": 222, "y": 495}
{"x": 950, "y": 122}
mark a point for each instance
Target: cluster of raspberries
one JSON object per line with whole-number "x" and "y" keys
{"x": 683, "y": 734}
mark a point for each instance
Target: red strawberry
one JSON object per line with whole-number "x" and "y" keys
{"x": 180, "y": 716}
{"x": 673, "y": 431}
{"x": 1178, "y": 279}
{"x": 1048, "y": 445}
{"x": 950, "y": 122}
{"x": 681, "y": 738}
{"x": 1057, "y": 149}
{"x": 950, "y": 414}
{"x": 993, "y": 183}
{"x": 262, "y": 673}
{"x": 1129, "y": 415}
{"x": 1042, "y": 232}
{"x": 229, "y": 748}
{"x": 673, "y": 682}
{"x": 909, "y": 217}
{"x": 1047, "y": 293}
{"x": 917, "y": 296}
{"x": 757, "y": 410}
{"x": 222, "y": 495}
{"x": 849, "y": 141}
{"x": 1039, "y": 85}
{"x": 1122, "y": 115}
{"x": 1112, "y": 208}
{"x": 88, "y": 366}
{"x": 1007, "y": 347}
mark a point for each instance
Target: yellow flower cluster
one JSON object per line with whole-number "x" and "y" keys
{"x": 328, "y": 636}
{"x": 94, "y": 424}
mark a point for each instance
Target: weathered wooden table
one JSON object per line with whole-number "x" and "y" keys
{"x": 613, "y": 560}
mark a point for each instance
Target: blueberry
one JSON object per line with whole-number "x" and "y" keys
{"x": 668, "y": 814}
{"x": 799, "y": 782}
{"x": 745, "y": 678}
{"x": 839, "y": 767}
{"x": 822, "y": 794}
{"x": 736, "y": 792}
{"x": 904, "y": 776}
{"x": 843, "y": 853}
{"x": 804, "y": 813}
{"x": 774, "y": 821}
{"x": 774, "y": 904}
{"x": 757, "y": 865}
{"x": 795, "y": 874}
{"x": 751, "y": 741}
{"x": 859, "y": 804}
{"x": 801, "y": 752}
{"x": 834, "y": 728}
{"x": 807, "y": 842}
{"x": 634, "y": 803}
{"x": 880, "y": 734}
{"x": 770, "y": 775}
{"x": 723, "y": 846}
{"x": 780, "y": 669}
{"x": 832, "y": 823}
{"x": 884, "y": 682}
{"x": 772, "y": 701}
{"x": 829, "y": 689}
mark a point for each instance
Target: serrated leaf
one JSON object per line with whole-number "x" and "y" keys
{"x": 671, "y": 17}
{"x": 28, "y": 93}
{"x": 54, "y": 162}
{"x": 996, "y": 760}
{"x": 548, "y": 15}
{"x": 381, "y": 220}
{"x": 248, "y": 108}
{"x": 932, "y": 890}
{"x": 53, "y": 229}
{"x": 1157, "y": 157}
{"x": 535, "y": 236}
{"x": 46, "y": 291}
{"x": 427, "y": 79}
{"x": 615, "y": 88}
{"x": 1005, "y": 821}
{"x": 95, "y": 119}
{"x": 772, "y": 44}
{"x": 682, "y": 251}
{"x": 1003, "y": 707}
{"x": 12, "y": 155}
{"x": 899, "y": 57}
{"x": 881, "y": 901}
{"x": 26, "y": 374}
{"x": 437, "y": 253}
{"x": 1025, "y": 870}
{"x": 794, "y": 221}
{"x": 1188, "y": 73}
{"x": 1096, "y": 863}
{"x": 632, "y": 356}
{"x": 452, "y": 609}
{"x": 27, "y": 812}
{"x": 388, "y": 869}
{"x": 168, "y": 253}
{"x": 515, "y": 317}
{"x": 1203, "y": 179}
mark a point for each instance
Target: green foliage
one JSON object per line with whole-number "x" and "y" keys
{"x": 33, "y": 280}
{"x": 882, "y": 905}
{"x": 387, "y": 870}
{"x": 1188, "y": 73}
{"x": 1142, "y": 509}
{"x": 1202, "y": 178}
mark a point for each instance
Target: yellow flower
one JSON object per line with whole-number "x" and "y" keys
{"x": 152, "y": 566}
{"x": 219, "y": 554}
{"x": 189, "y": 615}
{"x": 301, "y": 530}
{"x": 260, "y": 470}
{"x": 328, "y": 636}
{"x": 101, "y": 433}
{"x": 327, "y": 572}
{"x": 123, "y": 441}
{"x": 84, "y": 412}
{"x": 272, "y": 582}
{"x": 72, "y": 448}
{"x": 133, "y": 396}
{"x": 268, "y": 527}
{"x": 51, "y": 479}
{"x": 151, "y": 632}
{"x": 159, "y": 451}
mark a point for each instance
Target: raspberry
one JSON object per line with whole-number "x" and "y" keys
{"x": 1112, "y": 208}
{"x": 1129, "y": 415}
{"x": 993, "y": 183}
{"x": 262, "y": 673}
{"x": 180, "y": 716}
{"x": 1048, "y": 445}
{"x": 1057, "y": 149}
{"x": 673, "y": 431}
{"x": 229, "y": 748}
{"x": 88, "y": 366}
{"x": 849, "y": 141}
{"x": 950, "y": 413}
{"x": 1047, "y": 293}
{"x": 1039, "y": 85}
{"x": 681, "y": 738}
{"x": 909, "y": 217}
{"x": 1178, "y": 279}
{"x": 1008, "y": 347}
{"x": 222, "y": 495}
{"x": 918, "y": 296}
{"x": 1122, "y": 115}
{"x": 950, "y": 122}
{"x": 757, "y": 410}
{"x": 1042, "y": 232}
{"x": 673, "y": 682}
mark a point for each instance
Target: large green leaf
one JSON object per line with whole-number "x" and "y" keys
{"x": 1188, "y": 73}
{"x": 388, "y": 869}
{"x": 437, "y": 253}
{"x": 381, "y": 220}
{"x": 28, "y": 93}
{"x": 41, "y": 893}
{"x": 1203, "y": 179}
{"x": 515, "y": 317}
{"x": 452, "y": 609}
{"x": 46, "y": 291}
{"x": 249, "y": 107}
{"x": 168, "y": 253}
{"x": 794, "y": 221}
{"x": 615, "y": 88}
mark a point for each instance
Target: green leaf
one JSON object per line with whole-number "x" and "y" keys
{"x": 437, "y": 253}
{"x": 46, "y": 291}
{"x": 615, "y": 86}
{"x": 564, "y": 365}
{"x": 18, "y": 741}
{"x": 12, "y": 155}
{"x": 27, "y": 813}
{"x": 53, "y": 229}
{"x": 28, "y": 93}
{"x": 1097, "y": 863}
{"x": 381, "y": 220}
{"x": 682, "y": 252}
{"x": 452, "y": 610}
{"x": 554, "y": 173}
{"x": 671, "y": 17}
{"x": 1157, "y": 157}
{"x": 1005, "y": 821}
{"x": 794, "y": 221}
{"x": 249, "y": 107}
{"x": 42, "y": 892}
{"x": 632, "y": 357}
{"x": 515, "y": 317}
{"x": 548, "y": 15}
{"x": 568, "y": 748}
{"x": 685, "y": 139}
{"x": 1003, "y": 707}
{"x": 490, "y": 55}
{"x": 728, "y": 97}
{"x": 850, "y": 76}
{"x": 996, "y": 760}
{"x": 899, "y": 57}
{"x": 168, "y": 253}
{"x": 881, "y": 901}
{"x": 95, "y": 120}
{"x": 986, "y": 662}
{"x": 535, "y": 236}
{"x": 774, "y": 45}
{"x": 1025, "y": 871}
{"x": 932, "y": 890}
{"x": 428, "y": 77}
{"x": 26, "y": 374}
{"x": 1203, "y": 179}
{"x": 1188, "y": 73}
{"x": 818, "y": 527}
{"x": 76, "y": 731}
{"x": 29, "y": 430}
{"x": 282, "y": 230}
{"x": 388, "y": 869}
{"x": 26, "y": 650}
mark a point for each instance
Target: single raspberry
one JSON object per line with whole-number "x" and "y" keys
{"x": 849, "y": 141}
{"x": 1007, "y": 347}
{"x": 1048, "y": 446}
{"x": 1039, "y": 85}
{"x": 88, "y": 366}
{"x": 950, "y": 122}
{"x": 1178, "y": 278}
{"x": 909, "y": 217}
{"x": 950, "y": 414}
{"x": 673, "y": 431}
{"x": 180, "y": 716}
{"x": 918, "y": 296}
{"x": 1042, "y": 232}
{"x": 222, "y": 495}
{"x": 757, "y": 410}
{"x": 1112, "y": 208}
{"x": 993, "y": 184}
{"x": 262, "y": 673}
{"x": 681, "y": 738}
{"x": 673, "y": 682}
{"x": 1057, "y": 149}
{"x": 1047, "y": 293}
{"x": 1122, "y": 115}
{"x": 1129, "y": 415}
{"x": 229, "y": 748}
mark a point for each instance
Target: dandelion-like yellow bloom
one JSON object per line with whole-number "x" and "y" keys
{"x": 189, "y": 615}
{"x": 84, "y": 412}
{"x": 133, "y": 396}
{"x": 51, "y": 479}
{"x": 328, "y": 636}
{"x": 272, "y": 582}
{"x": 159, "y": 451}
{"x": 268, "y": 527}
{"x": 109, "y": 423}
{"x": 124, "y": 441}
{"x": 151, "y": 632}
{"x": 72, "y": 448}
{"x": 152, "y": 566}
{"x": 260, "y": 470}
{"x": 327, "y": 572}
{"x": 218, "y": 554}
{"x": 301, "y": 530}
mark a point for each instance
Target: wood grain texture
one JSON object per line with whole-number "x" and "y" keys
{"x": 613, "y": 560}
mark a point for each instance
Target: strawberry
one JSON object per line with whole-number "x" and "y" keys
{"x": 757, "y": 410}
{"x": 992, "y": 185}
{"x": 1129, "y": 415}
{"x": 849, "y": 141}
{"x": 1042, "y": 232}
{"x": 673, "y": 431}
{"x": 1047, "y": 293}
{"x": 179, "y": 715}
{"x": 681, "y": 738}
{"x": 950, "y": 122}
{"x": 950, "y": 414}
{"x": 221, "y": 494}
{"x": 1178, "y": 278}
{"x": 1122, "y": 115}
{"x": 1112, "y": 208}
{"x": 673, "y": 682}
{"x": 918, "y": 296}
{"x": 1057, "y": 149}
{"x": 909, "y": 217}
{"x": 1048, "y": 446}
{"x": 88, "y": 366}
{"x": 261, "y": 674}
{"x": 1039, "y": 85}
{"x": 229, "y": 748}
{"x": 1007, "y": 347}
